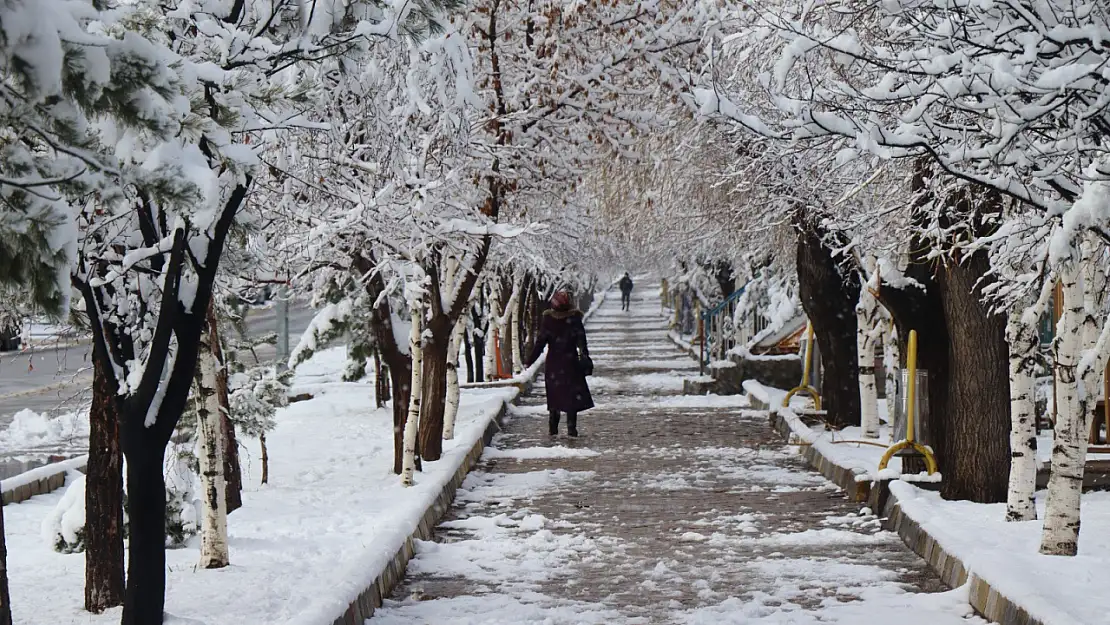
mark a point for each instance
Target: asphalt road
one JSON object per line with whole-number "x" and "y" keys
{"x": 55, "y": 380}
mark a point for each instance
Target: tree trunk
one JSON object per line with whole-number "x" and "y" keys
{"x": 1080, "y": 360}
{"x": 233, "y": 474}
{"x": 492, "y": 336}
{"x": 976, "y": 440}
{"x": 104, "y": 554}
{"x": 412, "y": 420}
{"x": 868, "y": 324}
{"x": 145, "y": 598}
{"x": 213, "y": 548}
{"x": 434, "y": 354}
{"x": 265, "y": 458}
{"x": 451, "y": 410}
{"x": 829, "y": 297}
{"x": 961, "y": 345}
{"x": 5, "y": 596}
{"x": 1065, "y": 485}
{"x": 515, "y": 334}
{"x": 379, "y": 381}
{"x": 470, "y": 360}
{"x": 532, "y": 319}
{"x": 1023, "y": 340}
{"x": 892, "y": 359}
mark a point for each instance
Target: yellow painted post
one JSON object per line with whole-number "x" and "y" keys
{"x": 911, "y": 386}
{"x": 911, "y": 406}
{"x": 807, "y": 367}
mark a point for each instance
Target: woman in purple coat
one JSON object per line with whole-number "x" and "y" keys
{"x": 568, "y": 362}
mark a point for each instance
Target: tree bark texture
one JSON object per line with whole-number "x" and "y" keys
{"x": 104, "y": 554}
{"x": 265, "y": 458}
{"x": 869, "y": 328}
{"x": 434, "y": 354}
{"x": 5, "y": 595}
{"x": 213, "y": 547}
{"x": 401, "y": 381}
{"x": 451, "y": 410}
{"x": 979, "y": 423}
{"x": 468, "y": 354}
{"x": 1060, "y": 536}
{"x": 233, "y": 473}
{"x": 412, "y": 420}
{"x": 892, "y": 359}
{"x": 492, "y": 336}
{"x": 1080, "y": 358}
{"x": 1023, "y": 341}
{"x": 144, "y": 602}
{"x": 380, "y": 389}
{"x": 829, "y": 295}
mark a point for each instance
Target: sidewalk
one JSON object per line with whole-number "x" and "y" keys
{"x": 669, "y": 509}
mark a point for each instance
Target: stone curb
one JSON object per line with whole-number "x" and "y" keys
{"x": 47, "y": 483}
{"x": 371, "y": 599}
{"x": 984, "y": 599}
{"x": 40, "y": 486}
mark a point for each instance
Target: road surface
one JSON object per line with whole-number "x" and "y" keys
{"x": 53, "y": 380}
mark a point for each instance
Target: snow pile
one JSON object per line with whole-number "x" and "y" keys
{"x": 30, "y": 430}
{"x": 64, "y": 528}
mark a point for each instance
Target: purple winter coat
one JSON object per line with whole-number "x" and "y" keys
{"x": 564, "y": 336}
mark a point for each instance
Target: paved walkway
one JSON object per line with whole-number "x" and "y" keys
{"x": 668, "y": 509}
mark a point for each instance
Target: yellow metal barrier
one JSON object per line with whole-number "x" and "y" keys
{"x": 804, "y": 387}
{"x": 911, "y": 406}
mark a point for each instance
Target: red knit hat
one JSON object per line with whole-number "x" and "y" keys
{"x": 560, "y": 300}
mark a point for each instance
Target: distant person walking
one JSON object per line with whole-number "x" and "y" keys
{"x": 626, "y": 292}
{"x": 568, "y": 362}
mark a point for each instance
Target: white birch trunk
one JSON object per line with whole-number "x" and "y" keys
{"x": 213, "y": 545}
{"x": 408, "y": 458}
{"x": 514, "y": 323}
{"x": 1023, "y": 341}
{"x": 892, "y": 361}
{"x": 451, "y": 410}
{"x": 1061, "y": 525}
{"x": 492, "y": 334}
{"x": 867, "y": 316}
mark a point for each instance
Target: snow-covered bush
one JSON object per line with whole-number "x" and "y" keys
{"x": 64, "y": 527}
{"x": 183, "y": 510}
{"x": 256, "y": 394}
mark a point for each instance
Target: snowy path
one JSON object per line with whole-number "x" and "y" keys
{"x": 669, "y": 509}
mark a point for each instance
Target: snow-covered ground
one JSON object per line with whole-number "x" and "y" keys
{"x": 1055, "y": 590}
{"x": 670, "y": 509}
{"x": 303, "y": 546}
